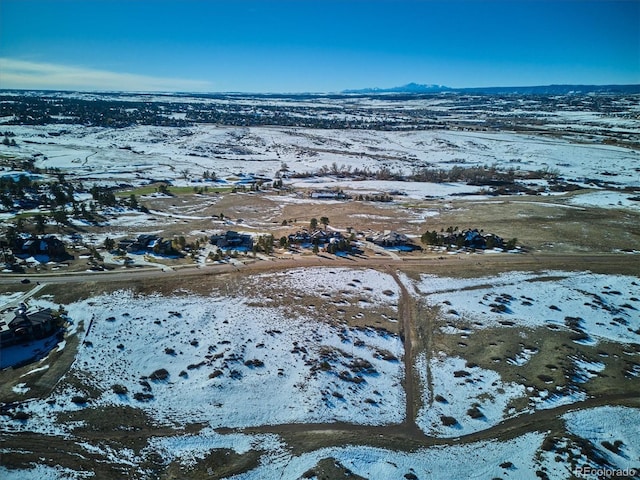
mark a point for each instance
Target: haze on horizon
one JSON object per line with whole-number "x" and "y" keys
{"x": 269, "y": 46}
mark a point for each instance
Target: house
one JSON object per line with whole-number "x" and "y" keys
{"x": 328, "y": 195}
{"x": 389, "y": 239}
{"x": 473, "y": 239}
{"x": 46, "y": 245}
{"x": 25, "y": 324}
{"x": 146, "y": 243}
{"x": 318, "y": 237}
{"x": 232, "y": 241}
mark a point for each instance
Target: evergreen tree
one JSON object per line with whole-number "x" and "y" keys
{"x": 109, "y": 244}
{"x": 41, "y": 223}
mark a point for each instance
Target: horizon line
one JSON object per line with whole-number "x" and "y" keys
{"x": 348, "y": 91}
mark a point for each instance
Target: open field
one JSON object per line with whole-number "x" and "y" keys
{"x": 282, "y": 362}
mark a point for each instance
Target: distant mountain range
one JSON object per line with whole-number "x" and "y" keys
{"x": 416, "y": 88}
{"x": 408, "y": 88}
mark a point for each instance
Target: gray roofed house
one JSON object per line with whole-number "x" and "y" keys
{"x": 25, "y": 324}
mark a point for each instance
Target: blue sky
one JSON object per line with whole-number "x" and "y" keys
{"x": 315, "y": 46}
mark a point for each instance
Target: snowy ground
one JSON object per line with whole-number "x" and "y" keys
{"x": 98, "y": 154}
{"x": 233, "y": 365}
{"x": 607, "y": 199}
{"x": 473, "y": 398}
{"x": 229, "y": 362}
{"x": 614, "y": 431}
{"x": 477, "y": 460}
{"x": 599, "y": 306}
{"x": 368, "y": 287}
{"x": 465, "y": 398}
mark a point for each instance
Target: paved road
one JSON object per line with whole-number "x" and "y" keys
{"x": 448, "y": 264}
{"x": 15, "y": 303}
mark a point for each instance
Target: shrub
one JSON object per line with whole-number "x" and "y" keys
{"x": 79, "y": 399}
{"x": 325, "y": 366}
{"x": 386, "y": 355}
{"x": 362, "y": 365}
{"x": 475, "y": 412}
{"x": 193, "y": 366}
{"x": 615, "y": 448}
{"x": 548, "y": 444}
{"x": 448, "y": 421}
{"x": 119, "y": 389}
{"x": 143, "y": 397}
{"x": 21, "y": 415}
{"x": 160, "y": 374}
{"x": 546, "y": 378}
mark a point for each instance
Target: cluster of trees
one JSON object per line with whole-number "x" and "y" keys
{"x": 57, "y": 200}
{"x": 313, "y": 223}
{"x": 342, "y": 245}
{"x": 15, "y": 188}
{"x": 116, "y": 113}
{"x": 472, "y": 175}
{"x": 477, "y": 175}
{"x": 348, "y": 171}
{"x": 201, "y": 190}
{"x": 264, "y": 244}
{"x": 103, "y": 112}
{"x": 163, "y": 188}
{"x": 209, "y": 176}
{"x": 378, "y": 197}
{"x": 8, "y": 140}
{"x": 472, "y": 239}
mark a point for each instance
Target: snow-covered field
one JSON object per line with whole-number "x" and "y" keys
{"x": 368, "y": 287}
{"x": 247, "y": 361}
{"x": 523, "y": 457}
{"x": 614, "y": 431}
{"x": 230, "y": 364}
{"x": 606, "y": 199}
{"x": 475, "y": 460}
{"x": 281, "y": 353}
{"x": 599, "y": 306}
{"x": 473, "y": 398}
{"x": 137, "y": 154}
{"x": 465, "y": 398}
